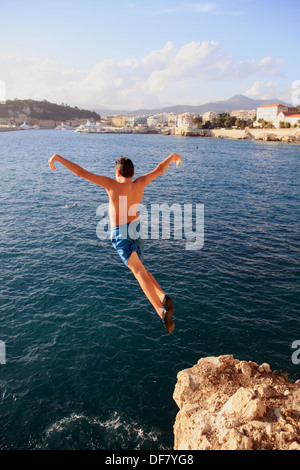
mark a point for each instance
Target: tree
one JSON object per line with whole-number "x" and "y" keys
{"x": 198, "y": 121}
{"x": 241, "y": 124}
{"x": 207, "y": 125}
{"x": 263, "y": 122}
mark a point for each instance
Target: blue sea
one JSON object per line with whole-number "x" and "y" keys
{"x": 88, "y": 364}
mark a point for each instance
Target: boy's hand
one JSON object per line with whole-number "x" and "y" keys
{"x": 52, "y": 160}
{"x": 177, "y": 159}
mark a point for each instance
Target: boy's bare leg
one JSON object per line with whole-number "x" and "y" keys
{"x": 160, "y": 293}
{"x": 151, "y": 289}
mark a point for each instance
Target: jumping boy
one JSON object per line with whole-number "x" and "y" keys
{"x": 125, "y": 196}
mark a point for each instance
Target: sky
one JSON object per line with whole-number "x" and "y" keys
{"x": 133, "y": 54}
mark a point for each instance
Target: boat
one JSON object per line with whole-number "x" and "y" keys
{"x": 89, "y": 127}
{"x": 25, "y": 127}
{"x": 79, "y": 128}
{"x": 64, "y": 127}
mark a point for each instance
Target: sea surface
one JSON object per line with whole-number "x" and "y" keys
{"x": 88, "y": 364}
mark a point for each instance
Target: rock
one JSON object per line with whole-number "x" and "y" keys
{"x": 289, "y": 139}
{"x": 265, "y": 391}
{"x": 237, "y": 441}
{"x": 294, "y": 446}
{"x": 264, "y": 368}
{"x": 237, "y": 402}
{"x": 271, "y": 138}
{"x": 244, "y": 367}
{"x": 255, "y": 409}
{"x": 227, "y": 404}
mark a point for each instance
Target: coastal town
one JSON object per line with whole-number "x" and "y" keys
{"x": 269, "y": 122}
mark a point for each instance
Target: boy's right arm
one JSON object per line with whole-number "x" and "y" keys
{"x": 100, "y": 180}
{"x": 160, "y": 169}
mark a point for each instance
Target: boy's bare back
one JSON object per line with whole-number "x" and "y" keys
{"x": 125, "y": 195}
{"x": 124, "y": 199}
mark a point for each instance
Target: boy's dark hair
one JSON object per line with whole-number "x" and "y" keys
{"x": 125, "y": 166}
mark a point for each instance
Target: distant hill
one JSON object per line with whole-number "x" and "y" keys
{"x": 44, "y": 110}
{"x": 226, "y": 106}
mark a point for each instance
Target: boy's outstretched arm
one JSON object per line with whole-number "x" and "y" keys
{"x": 161, "y": 168}
{"x": 103, "y": 181}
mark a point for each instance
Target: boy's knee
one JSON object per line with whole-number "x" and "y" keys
{"x": 136, "y": 270}
{"x": 135, "y": 265}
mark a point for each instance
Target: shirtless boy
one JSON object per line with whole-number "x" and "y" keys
{"x": 125, "y": 196}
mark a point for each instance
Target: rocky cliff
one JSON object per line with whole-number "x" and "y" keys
{"x": 227, "y": 404}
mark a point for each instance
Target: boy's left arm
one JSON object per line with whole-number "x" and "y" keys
{"x": 161, "y": 168}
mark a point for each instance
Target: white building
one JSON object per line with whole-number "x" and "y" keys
{"x": 244, "y": 114}
{"x": 270, "y": 113}
{"x": 292, "y": 118}
{"x": 208, "y": 116}
{"x": 185, "y": 119}
{"x": 172, "y": 119}
{"x": 153, "y": 121}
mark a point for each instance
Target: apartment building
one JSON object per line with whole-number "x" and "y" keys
{"x": 185, "y": 119}
{"x": 208, "y": 116}
{"x": 123, "y": 121}
{"x": 244, "y": 114}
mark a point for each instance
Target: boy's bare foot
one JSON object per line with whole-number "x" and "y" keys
{"x": 168, "y": 322}
{"x": 168, "y": 311}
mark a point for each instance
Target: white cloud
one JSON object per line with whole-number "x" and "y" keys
{"x": 185, "y": 7}
{"x": 132, "y": 83}
{"x": 202, "y": 7}
{"x": 199, "y": 7}
{"x": 262, "y": 90}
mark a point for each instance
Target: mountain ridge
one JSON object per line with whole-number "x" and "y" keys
{"x": 238, "y": 101}
{"x": 46, "y": 110}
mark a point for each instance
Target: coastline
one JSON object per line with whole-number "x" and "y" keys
{"x": 8, "y": 129}
{"x": 267, "y": 135}
{"x": 280, "y": 135}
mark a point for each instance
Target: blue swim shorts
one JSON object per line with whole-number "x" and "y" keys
{"x": 128, "y": 238}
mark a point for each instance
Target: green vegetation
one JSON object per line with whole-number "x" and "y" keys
{"x": 265, "y": 124}
{"x": 44, "y": 110}
{"x": 198, "y": 120}
{"x": 223, "y": 120}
